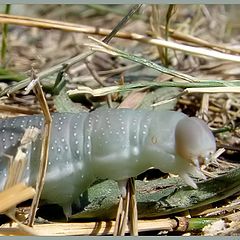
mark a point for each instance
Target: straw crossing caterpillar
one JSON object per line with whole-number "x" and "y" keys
{"x": 108, "y": 144}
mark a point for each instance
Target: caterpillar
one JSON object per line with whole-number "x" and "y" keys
{"x": 108, "y": 144}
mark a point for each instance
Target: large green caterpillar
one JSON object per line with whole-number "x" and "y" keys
{"x": 108, "y": 144}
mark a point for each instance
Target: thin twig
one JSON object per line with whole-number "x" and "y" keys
{"x": 133, "y": 213}
{"x": 44, "y": 151}
{"x": 122, "y": 23}
{"x": 170, "y": 12}
{"x": 4, "y": 36}
{"x": 97, "y": 78}
{"x": 17, "y": 109}
{"x": 94, "y": 73}
{"x": 155, "y": 23}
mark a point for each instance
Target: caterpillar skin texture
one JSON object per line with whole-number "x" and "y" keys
{"x": 107, "y": 144}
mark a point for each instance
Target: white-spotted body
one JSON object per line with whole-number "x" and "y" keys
{"x": 106, "y": 144}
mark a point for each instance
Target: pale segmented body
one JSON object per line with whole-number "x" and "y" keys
{"x": 113, "y": 144}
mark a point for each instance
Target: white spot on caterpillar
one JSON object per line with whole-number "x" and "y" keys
{"x": 135, "y": 150}
{"x": 63, "y": 140}
{"x": 3, "y": 130}
{"x": 77, "y": 152}
{"x": 5, "y": 147}
{"x": 52, "y": 147}
{"x": 80, "y": 165}
{"x": 66, "y": 147}
{"x": 4, "y": 139}
{"x": 59, "y": 128}
{"x": 74, "y": 134}
{"x": 59, "y": 149}
{"x": 76, "y": 142}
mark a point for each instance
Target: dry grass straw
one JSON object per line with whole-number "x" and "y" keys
{"x": 197, "y": 51}
{"x": 93, "y": 228}
{"x": 17, "y": 109}
{"x": 213, "y": 90}
{"x": 14, "y": 191}
{"x": 14, "y": 195}
{"x": 44, "y": 150}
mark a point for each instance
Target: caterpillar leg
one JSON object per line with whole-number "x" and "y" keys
{"x": 127, "y": 206}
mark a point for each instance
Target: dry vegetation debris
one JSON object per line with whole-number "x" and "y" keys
{"x": 203, "y": 44}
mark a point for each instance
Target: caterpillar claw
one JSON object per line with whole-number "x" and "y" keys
{"x": 188, "y": 180}
{"x": 67, "y": 210}
{"x": 122, "y": 185}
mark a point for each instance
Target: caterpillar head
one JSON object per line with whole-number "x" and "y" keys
{"x": 194, "y": 142}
